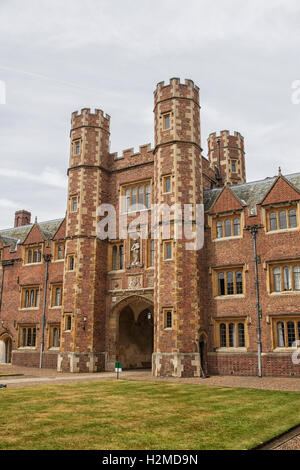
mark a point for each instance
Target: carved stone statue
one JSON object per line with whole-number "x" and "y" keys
{"x": 135, "y": 249}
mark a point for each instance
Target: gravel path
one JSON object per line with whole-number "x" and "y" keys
{"x": 33, "y": 376}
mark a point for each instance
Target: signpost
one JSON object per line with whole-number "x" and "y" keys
{"x": 118, "y": 368}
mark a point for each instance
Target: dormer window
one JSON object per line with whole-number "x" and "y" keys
{"x": 227, "y": 226}
{"x": 33, "y": 255}
{"x": 281, "y": 218}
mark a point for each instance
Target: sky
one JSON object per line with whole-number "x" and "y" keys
{"x": 57, "y": 57}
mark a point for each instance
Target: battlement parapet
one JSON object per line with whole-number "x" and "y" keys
{"x": 176, "y": 89}
{"x": 87, "y": 118}
{"x": 128, "y": 153}
{"x": 224, "y": 133}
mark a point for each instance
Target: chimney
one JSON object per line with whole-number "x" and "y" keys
{"x": 22, "y": 218}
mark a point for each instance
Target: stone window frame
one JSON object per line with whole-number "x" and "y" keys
{"x": 74, "y": 198}
{"x": 23, "y": 300}
{"x": 165, "y": 243}
{"x": 53, "y": 292}
{"x": 277, "y": 209}
{"x": 164, "y": 179}
{"x": 29, "y": 254}
{"x": 51, "y": 328}
{"x": 69, "y": 256}
{"x": 128, "y": 188}
{"x": 215, "y": 271}
{"x": 234, "y": 165}
{"x": 165, "y": 116}
{"x": 56, "y": 251}
{"x": 150, "y": 241}
{"x": 67, "y": 319}
{"x": 227, "y": 321}
{"x": 111, "y": 255}
{"x": 285, "y": 320}
{"x": 33, "y": 334}
{"x": 271, "y": 266}
{"x": 76, "y": 143}
{"x": 222, "y": 218}
{"x": 168, "y": 317}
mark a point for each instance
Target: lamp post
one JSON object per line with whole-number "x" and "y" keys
{"x": 47, "y": 259}
{"x": 254, "y": 230}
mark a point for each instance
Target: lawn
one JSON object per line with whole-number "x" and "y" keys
{"x": 142, "y": 415}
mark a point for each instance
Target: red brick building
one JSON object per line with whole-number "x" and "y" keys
{"x": 72, "y": 300}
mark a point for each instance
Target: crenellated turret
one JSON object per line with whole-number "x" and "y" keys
{"x": 84, "y": 286}
{"x": 227, "y": 155}
{"x": 177, "y": 180}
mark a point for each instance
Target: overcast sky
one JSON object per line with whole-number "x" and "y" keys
{"x": 60, "y": 56}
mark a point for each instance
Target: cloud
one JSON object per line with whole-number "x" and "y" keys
{"x": 49, "y": 176}
{"x": 58, "y": 57}
{"x": 7, "y": 203}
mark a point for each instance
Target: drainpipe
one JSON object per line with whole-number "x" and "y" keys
{"x": 47, "y": 259}
{"x": 2, "y": 284}
{"x": 254, "y": 230}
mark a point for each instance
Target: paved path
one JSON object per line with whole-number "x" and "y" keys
{"x": 35, "y": 376}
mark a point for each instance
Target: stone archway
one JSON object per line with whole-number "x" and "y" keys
{"x": 5, "y": 349}
{"x": 131, "y": 333}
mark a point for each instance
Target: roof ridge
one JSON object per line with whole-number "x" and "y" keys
{"x": 31, "y": 225}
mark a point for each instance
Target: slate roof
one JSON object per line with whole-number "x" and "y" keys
{"x": 251, "y": 193}
{"x": 12, "y": 236}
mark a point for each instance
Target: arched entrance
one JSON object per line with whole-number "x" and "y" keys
{"x": 5, "y": 349}
{"x": 131, "y": 333}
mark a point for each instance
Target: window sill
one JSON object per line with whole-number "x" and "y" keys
{"x": 284, "y": 230}
{"x": 55, "y": 307}
{"x": 116, "y": 271}
{"x": 24, "y": 348}
{"x": 224, "y": 239}
{"x": 58, "y": 260}
{"x": 227, "y": 297}
{"x": 53, "y": 348}
{"x": 284, "y": 350}
{"x": 231, "y": 350}
{"x": 29, "y": 308}
{"x": 283, "y": 293}
{"x": 33, "y": 264}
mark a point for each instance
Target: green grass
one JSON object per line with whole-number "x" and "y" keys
{"x": 142, "y": 415}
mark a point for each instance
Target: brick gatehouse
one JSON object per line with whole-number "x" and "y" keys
{"x": 72, "y": 301}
